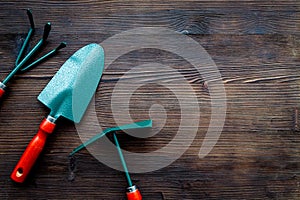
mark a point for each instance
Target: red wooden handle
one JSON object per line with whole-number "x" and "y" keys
{"x": 32, "y": 152}
{"x": 134, "y": 195}
{"x": 2, "y": 91}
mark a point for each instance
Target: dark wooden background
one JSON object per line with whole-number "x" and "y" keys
{"x": 256, "y": 46}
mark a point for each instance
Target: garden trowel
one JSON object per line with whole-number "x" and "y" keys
{"x": 67, "y": 94}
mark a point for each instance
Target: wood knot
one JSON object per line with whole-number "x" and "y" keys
{"x": 72, "y": 168}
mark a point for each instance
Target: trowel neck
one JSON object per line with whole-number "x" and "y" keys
{"x": 51, "y": 119}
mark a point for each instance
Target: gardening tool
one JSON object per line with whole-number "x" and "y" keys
{"x": 19, "y": 64}
{"x": 132, "y": 191}
{"x": 67, "y": 94}
{"x": 136, "y": 125}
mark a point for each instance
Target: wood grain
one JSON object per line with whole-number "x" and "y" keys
{"x": 255, "y": 45}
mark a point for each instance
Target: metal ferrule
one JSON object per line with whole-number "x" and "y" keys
{"x": 2, "y": 86}
{"x": 51, "y": 119}
{"x": 131, "y": 188}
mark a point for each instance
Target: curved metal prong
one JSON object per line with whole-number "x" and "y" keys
{"x": 29, "y": 13}
{"x": 47, "y": 30}
{"x": 29, "y": 34}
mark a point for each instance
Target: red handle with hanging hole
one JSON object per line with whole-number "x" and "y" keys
{"x": 32, "y": 152}
{"x": 134, "y": 195}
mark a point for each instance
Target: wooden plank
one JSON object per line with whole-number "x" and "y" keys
{"x": 189, "y": 17}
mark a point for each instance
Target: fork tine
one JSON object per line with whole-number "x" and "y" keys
{"x": 29, "y": 34}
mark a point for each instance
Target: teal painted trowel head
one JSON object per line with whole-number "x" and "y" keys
{"x": 71, "y": 89}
